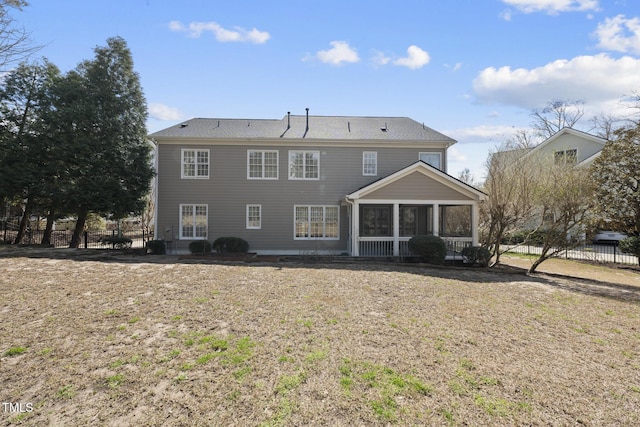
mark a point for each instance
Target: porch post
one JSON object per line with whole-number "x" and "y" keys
{"x": 355, "y": 232}
{"x": 436, "y": 219}
{"x": 396, "y": 229}
{"x": 475, "y": 215}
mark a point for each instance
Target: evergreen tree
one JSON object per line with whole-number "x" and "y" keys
{"x": 26, "y": 164}
{"x": 617, "y": 182}
{"x": 111, "y": 170}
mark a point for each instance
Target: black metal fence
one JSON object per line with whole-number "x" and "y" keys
{"x": 593, "y": 253}
{"x": 62, "y": 238}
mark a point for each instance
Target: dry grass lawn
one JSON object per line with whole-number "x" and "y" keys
{"x": 136, "y": 341}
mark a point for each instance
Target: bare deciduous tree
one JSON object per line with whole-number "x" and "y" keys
{"x": 510, "y": 187}
{"x": 556, "y": 115}
{"x": 563, "y": 199}
{"x": 15, "y": 42}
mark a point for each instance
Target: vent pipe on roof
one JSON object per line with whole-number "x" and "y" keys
{"x": 349, "y": 126}
{"x": 307, "y": 129}
{"x": 288, "y": 124}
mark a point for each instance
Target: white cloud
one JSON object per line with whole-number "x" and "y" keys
{"x": 416, "y": 58}
{"x": 593, "y": 79}
{"x": 619, "y": 34}
{"x": 238, "y": 34}
{"x": 164, "y": 112}
{"x": 551, "y": 7}
{"x": 379, "y": 58}
{"x": 506, "y": 14}
{"x": 339, "y": 53}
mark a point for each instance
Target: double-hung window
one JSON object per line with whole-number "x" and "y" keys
{"x": 316, "y": 222}
{"x": 262, "y": 164}
{"x": 369, "y": 163}
{"x": 193, "y": 221}
{"x": 304, "y": 165}
{"x": 195, "y": 164}
{"x": 569, "y": 157}
{"x": 433, "y": 159}
{"x": 254, "y": 216}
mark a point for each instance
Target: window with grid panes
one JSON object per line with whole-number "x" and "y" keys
{"x": 262, "y": 164}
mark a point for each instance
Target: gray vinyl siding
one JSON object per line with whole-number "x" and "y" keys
{"x": 227, "y": 191}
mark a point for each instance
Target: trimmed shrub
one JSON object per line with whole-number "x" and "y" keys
{"x": 199, "y": 247}
{"x": 477, "y": 255}
{"x": 156, "y": 247}
{"x": 116, "y": 242}
{"x": 431, "y": 249}
{"x": 231, "y": 245}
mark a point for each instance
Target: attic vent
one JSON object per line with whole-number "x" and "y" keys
{"x": 184, "y": 125}
{"x": 385, "y": 128}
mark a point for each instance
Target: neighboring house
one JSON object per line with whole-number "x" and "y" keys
{"x": 567, "y": 146}
{"x": 570, "y": 146}
{"x": 310, "y": 185}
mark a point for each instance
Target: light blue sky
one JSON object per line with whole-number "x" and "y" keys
{"x": 472, "y": 69}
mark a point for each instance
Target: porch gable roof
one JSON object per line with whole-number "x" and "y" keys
{"x": 429, "y": 172}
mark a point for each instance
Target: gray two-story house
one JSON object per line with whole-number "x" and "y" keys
{"x": 304, "y": 184}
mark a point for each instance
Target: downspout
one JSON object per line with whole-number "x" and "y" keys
{"x": 155, "y": 191}
{"x": 307, "y": 128}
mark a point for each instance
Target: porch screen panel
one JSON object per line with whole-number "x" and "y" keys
{"x": 376, "y": 221}
{"x": 408, "y": 221}
{"x": 455, "y": 220}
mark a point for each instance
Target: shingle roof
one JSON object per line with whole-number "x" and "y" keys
{"x": 320, "y": 127}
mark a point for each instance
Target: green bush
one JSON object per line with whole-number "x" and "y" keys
{"x": 156, "y": 247}
{"x": 477, "y": 255}
{"x": 116, "y": 242}
{"x": 199, "y": 246}
{"x": 431, "y": 249}
{"x": 232, "y": 245}
{"x": 631, "y": 245}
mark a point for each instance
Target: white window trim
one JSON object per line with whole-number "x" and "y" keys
{"x": 324, "y": 221}
{"x": 432, "y": 152}
{"x": 263, "y": 153}
{"x": 254, "y": 227}
{"x": 194, "y": 237}
{"x": 195, "y": 150}
{"x": 375, "y": 157}
{"x": 304, "y": 166}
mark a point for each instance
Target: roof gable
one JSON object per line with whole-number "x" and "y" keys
{"x": 428, "y": 173}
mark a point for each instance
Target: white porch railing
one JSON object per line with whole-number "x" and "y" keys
{"x": 383, "y": 246}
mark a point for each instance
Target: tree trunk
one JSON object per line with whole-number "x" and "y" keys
{"x": 23, "y": 223}
{"x": 77, "y": 233}
{"x": 46, "y": 237}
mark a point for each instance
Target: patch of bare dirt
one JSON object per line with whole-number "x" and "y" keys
{"x": 117, "y": 340}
